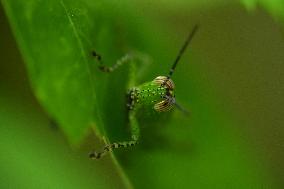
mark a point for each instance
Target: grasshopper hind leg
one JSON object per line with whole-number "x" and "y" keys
{"x": 110, "y": 147}
{"x": 135, "y": 134}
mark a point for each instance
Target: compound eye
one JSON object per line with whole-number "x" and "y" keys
{"x": 163, "y": 106}
{"x": 163, "y": 80}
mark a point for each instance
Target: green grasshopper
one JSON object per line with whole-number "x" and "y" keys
{"x": 157, "y": 96}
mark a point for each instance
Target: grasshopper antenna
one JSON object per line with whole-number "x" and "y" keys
{"x": 182, "y": 109}
{"x": 190, "y": 36}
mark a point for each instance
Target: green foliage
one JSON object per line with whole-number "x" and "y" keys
{"x": 56, "y": 38}
{"x": 57, "y": 60}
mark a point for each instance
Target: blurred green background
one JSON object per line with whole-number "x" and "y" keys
{"x": 55, "y": 106}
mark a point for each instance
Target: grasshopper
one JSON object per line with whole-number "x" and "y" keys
{"x": 157, "y": 95}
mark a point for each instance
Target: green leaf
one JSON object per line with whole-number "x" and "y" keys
{"x": 56, "y": 38}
